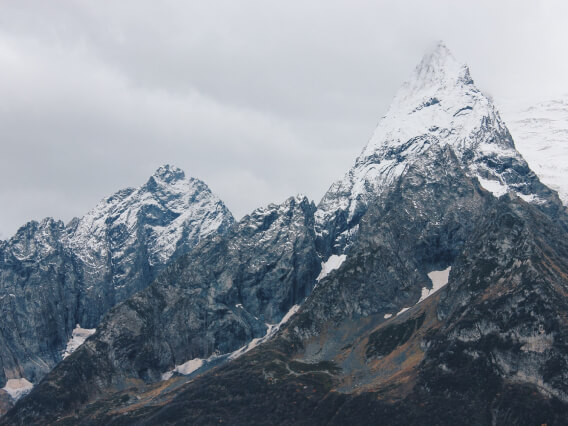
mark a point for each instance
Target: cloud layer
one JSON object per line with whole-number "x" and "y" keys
{"x": 260, "y": 99}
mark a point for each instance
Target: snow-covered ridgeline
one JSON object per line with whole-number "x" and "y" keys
{"x": 169, "y": 206}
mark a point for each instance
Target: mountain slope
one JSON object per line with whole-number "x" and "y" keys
{"x": 39, "y": 285}
{"x": 439, "y": 105}
{"x": 541, "y": 136}
{"x": 488, "y": 348}
{"x": 213, "y": 301}
{"x": 54, "y": 277}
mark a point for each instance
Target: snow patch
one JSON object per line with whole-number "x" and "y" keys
{"x": 270, "y": 332}
{"x": 288, "y": 315}
{"x": 387, "y": 316}
{"x": 331, "y": 264}
{"x": 439, "y": 279}
{"x": 493, "y": 186}
{"x": 190, "y": 366}
{"x": 77, "y": 339}
{"x": 403, "y": 310}
{"x": 17, "y": 388}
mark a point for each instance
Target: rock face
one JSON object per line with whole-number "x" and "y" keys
{"x": 494, "y": 336}
{"x": 419, "y": 225}
{"x": 213, "y": 300}
{"x": 124, "y": 241}
{"x": 489, "y": 348}
{"x": 380, "y": 339}
{"x": 39, "y": 285}
{"x": 439, "y": 105}
{"x": 53, "y": 277}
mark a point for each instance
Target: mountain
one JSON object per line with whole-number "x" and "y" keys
{"x": 374, "y": 345}
{"x": 54, "y": 277}
{"x": 128, "y": 237}
{"x": 541, "y": 136}
{"x": 489, "y": 347}
{"x": 441, "y": 298}
{"x": 208, "y": 304}
{"x": 438, "y": 105}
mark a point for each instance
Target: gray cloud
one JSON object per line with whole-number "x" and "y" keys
{"x": 259, "y": 99}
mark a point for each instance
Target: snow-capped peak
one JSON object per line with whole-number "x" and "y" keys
{"x": 439, "y": 102}
{"x": 439, "y": 105}
{"x": 165, "y": 210}
{"x": 437, "y": 69}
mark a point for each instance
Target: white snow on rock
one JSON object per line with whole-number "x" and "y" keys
{"x": 196, "y": 363}
{"x": 288, "y": 315}
{"x": 190, "y": 366}
{"x": 439, "y": 279}
{"x": 270, "y": 332}
{"x": 439, "y": 105}
{"x": 78, "y": 337}
{"x": 494, "y": 186}
{"x": 334, "y": 262}
{"x": 192, "y": 212}
{"x": 17, "y": 388}
{"x": 540, "y": 131}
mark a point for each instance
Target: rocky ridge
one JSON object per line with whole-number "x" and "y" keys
{"x": 367, "y": 346}
{"x": 53, "y": 277}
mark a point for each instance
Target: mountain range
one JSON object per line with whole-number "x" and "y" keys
{"x": 428, "y": 286}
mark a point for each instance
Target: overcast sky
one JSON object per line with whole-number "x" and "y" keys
{"x": 259, "y": 99}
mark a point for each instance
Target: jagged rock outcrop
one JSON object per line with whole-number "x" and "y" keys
{"x": 53, "y": 277}
{"x": 215, "y": 299}
{"x": 419, "y": 225}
